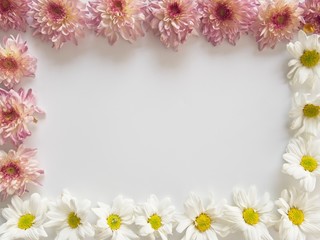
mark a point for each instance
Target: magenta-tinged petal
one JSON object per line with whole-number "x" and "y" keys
{"x": 117, "y": 18}
{"x": 277, "y": 21}
{"x": 58, "y": 21}
{"x": 17, "y": 111}
{"x": 17, "y": 170}
{"x": 13, "y": 14}
{"x": 173, "y": 20}
{"x": 226, "y": 19}
{"x": 15, "y": 62}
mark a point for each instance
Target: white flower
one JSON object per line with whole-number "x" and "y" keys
{"x": 114, "y": 221}
{"x": 202, "y": 221}
{"x": 251, "y": 215}
{"x": 70, "y": 218}
{"x": 305, "y": 114}
{"x": 24, "y": 219}
{"x": 302, "y": 161}
{"x": 305, "y": 66}
{"x": 156, "y": 218}
{"x": 300, "y": 215}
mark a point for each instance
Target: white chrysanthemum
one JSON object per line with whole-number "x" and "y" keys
{"x": 305, "y": 114}
{"x": 300, "y": 215}
{"x": 70, "y": 218}
{"x": 251, "y": 215}
{"x": 305, "y": 66}
{"x": 302, "y": 161}
{"x": 201, "y": 221}
{"x": 24, "y": 219}
{"x": 114, "y": 221}
{"x": 156, "y": 218}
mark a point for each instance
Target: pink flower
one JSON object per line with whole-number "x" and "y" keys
{"x": 15, "y": 63}
{"x": 173, "y": 20}
{"x": 226, "y": 19}
{"x": 311, "y": 14}
{"x": 17, "y": 169}
{"x": 13, "y": 14}
{"x": 58, "y": 21}
{"x": 277, "y": 21}
{"x": 17, "y": 110}
{"x": 114, "y": 18}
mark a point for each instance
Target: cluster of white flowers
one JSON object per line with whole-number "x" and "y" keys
{"x": 203, "y": 219}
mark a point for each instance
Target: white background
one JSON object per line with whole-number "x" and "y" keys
{"x": 141, "y": 119}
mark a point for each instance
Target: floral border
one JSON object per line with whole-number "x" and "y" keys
{"x": 295, "y": 215}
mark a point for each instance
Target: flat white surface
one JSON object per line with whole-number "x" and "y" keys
{"x": 141, "y": 119}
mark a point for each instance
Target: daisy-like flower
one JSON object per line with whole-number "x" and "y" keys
{"x": 305, "y": 114}
{"x": 17, "y": 170}
{"x": 25, "y": 219}
{"x": 58, "y": 21}
{"x": 156, "y": 218}
{"x": 226, "y": 19}
{"x": 201, "y": 220}
{"x": 69, "y": 217}
{"x": 173, "y": 20}
{"x": 13, "y": 14}
{"x": 251, "y": 215}
{"x": 17, "y": 110}
{"x": 15, "y": 62}
{"x": 277, "y": 21}
{"x": 311, "y": 16}
{"x": 114, "y": 221}
{"x": 114, "y": 18}
{"x": 305, "y": 65}
{"x": 299, "y": 215}
{"x": 302, "y": 161}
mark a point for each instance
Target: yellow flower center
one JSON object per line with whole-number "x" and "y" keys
{"x": 250, "y": 216}
{"x": 114, "y": 222}
{"x": 309, "y": 28}
{"x": 203, "y": 222}
{"x": 73, "y": 220}
{"x": 310, "y": 58}
{"x": 26, "y": 221}
{"x": 311, "y": 111}
{"x": 309, "y": 163}
{"x": 155, "y": 221}
{"x": 296, "y": 216}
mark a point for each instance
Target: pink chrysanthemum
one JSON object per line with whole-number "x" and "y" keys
{"x": 15, "y": 63}
{"x": 311, "y": 15}
{"x": 13, "y": 14}
{"x": 114, "y": 18}
{"x": 58, "y": 21}
{"x": 17, "y": 169}
{"x": 173, "y": 20}
{"x": 277, "y": 21}
{"x": 17, "y": 110}
{"x": 226, "y": 19}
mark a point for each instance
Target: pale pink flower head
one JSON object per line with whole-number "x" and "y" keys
{"x": 13, "y": 14}
{"x": 17, "y": 111}
{"x": 114, "y": 18}
{"x": 173, "y": 20}
{"x": 226, "y": 19}
{"x": 277, "y": 21}
{"x": 15, "y": 62}
{"x": 17, "y": 170}
{"x": 311, "y": 15}
{"x": 58, "y": 21}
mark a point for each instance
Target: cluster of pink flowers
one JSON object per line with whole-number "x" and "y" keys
{"x": 18, "y": 110}
{"x": 61, "y": 21}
